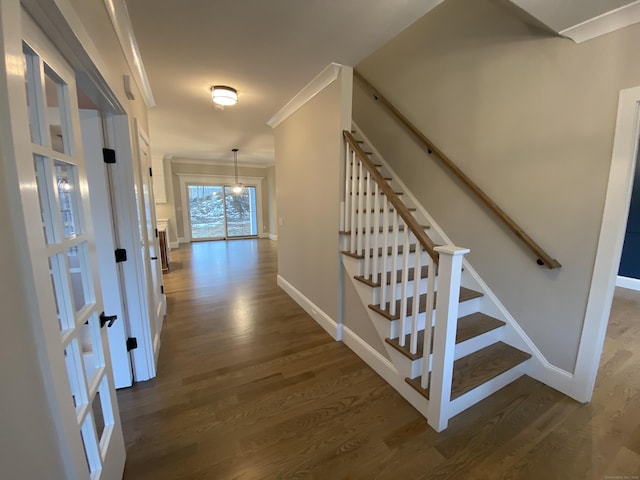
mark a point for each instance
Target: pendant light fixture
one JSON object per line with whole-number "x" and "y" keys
{"x": 237, "y": 188}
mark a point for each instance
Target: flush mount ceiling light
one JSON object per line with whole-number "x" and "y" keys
{"x": 223, "y": 95}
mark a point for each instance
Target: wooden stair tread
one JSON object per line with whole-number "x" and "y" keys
{"x": 381, "y": 229}
{"x": 465, "y": 295}
{"x": 477, "y": 368}
{"x": 424, "y": 273}
{"x": 469, "y": 326}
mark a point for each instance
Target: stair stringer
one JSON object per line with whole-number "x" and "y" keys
{"x": 537, "y": 367}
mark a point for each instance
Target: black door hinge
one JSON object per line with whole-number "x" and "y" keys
{"x": 121, "y": 255}
{"x": 156, "y": 233}
{"x": 107, "y": 320}
{"x": 161, "y": 288}
{"x": 150, "y": 172}
{"x": 132, "y": 343}
{"x": 109, "y": 155}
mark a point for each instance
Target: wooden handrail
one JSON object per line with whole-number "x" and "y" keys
{"x": 543, "y": 258}
{"x": 409, "y": 220}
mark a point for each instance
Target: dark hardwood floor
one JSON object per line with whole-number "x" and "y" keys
{"x": 250, "y": 387}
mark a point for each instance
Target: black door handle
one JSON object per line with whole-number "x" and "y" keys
{"x": 154, "y": 258}
{"x": 107, "y": 320}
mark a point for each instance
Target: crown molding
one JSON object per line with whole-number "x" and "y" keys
{"x": 124, "y": 30}
{"x": 606, "y": 23}
{"x": 219, "y": 163}
{"x": 315, "y": 86}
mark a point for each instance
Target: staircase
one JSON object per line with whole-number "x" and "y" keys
{"x": 444, "y": 336}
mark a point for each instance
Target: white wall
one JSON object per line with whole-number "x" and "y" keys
{"x": 530, "y": 118}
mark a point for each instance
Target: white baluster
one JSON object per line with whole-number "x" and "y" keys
{"x": 385, "y": 252}
{"x": 417, "y": 270}
{"x": 376, "y": 229}
{"x": 367, "y": 232}
{"x": 428, "y": 320}
{"x": 449, "y": 273}
{"x": 347, "y": 186}
{"x": 404, "y": 280}
{"x": 360, "y": 208}
{"x": 354, "y": 215}
{"x": 394, "y": 258}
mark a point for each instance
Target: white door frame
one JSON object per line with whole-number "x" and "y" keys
{"x": 204, "y": 179}
{"x": 612, "y": 232}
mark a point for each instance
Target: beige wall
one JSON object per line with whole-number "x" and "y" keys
{"x": 530, "y": 118}
{"x": 273, "y": 205}
{"x": 308, "y": 148}
{"x": 174, "y": 199}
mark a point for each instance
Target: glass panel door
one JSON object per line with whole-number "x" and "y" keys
{"x": 242, "y": 220}
{"x": 206, "y": 210}
{"x": 216, "y": 212}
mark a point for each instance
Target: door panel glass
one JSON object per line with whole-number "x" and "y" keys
{"x": 32, "y": 74}
{"x": 67, "y": 197}
{"x": 44, "y": 196}
{"x": 90, "y": 443}
{"x": 92, "y": 354}
{"x": 206, "y": 208}
{"x": 80, "y": 275}
{"x": 241, "y": 212}
{"x": 73, "y": 363}
{"x": 61, "y": 295}
{"x": 56, "y": 111}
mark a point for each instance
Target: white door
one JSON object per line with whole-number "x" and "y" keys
{"x": 101, "y": 183}
{"x": 62, "y": 252}
{"x": 150, "y": 241}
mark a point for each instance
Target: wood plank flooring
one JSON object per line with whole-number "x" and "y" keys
{"x": 250, "y": 387}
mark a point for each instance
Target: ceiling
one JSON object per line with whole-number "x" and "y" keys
{"x": 267, "y": 49}
{"x": 270, "y": 49}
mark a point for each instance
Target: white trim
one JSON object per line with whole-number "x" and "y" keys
{"x": 124, "y": 30}
{"x": 606, "y": 23}
{"x": 203, "y": 178}
{"x": 221, "y": 163}
{"x": 325, "y": 321}
{"x": 273, "y": 237}
{"x": 540, "y": 369}
{"x": 315, "y": 86}
{"x": 173, "y": 245}
{"x": 627, "y": 282}
{"x": 181, "y": 240}
{"x": 612, "y": 232}
{"x": 385, "y": 369}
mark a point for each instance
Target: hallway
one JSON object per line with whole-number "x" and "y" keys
{"x": 250, "y": 387}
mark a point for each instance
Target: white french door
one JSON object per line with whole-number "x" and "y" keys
{"x": 63, "y": 256}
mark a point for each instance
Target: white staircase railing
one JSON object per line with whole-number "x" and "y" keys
{"x": 384, "y": 233}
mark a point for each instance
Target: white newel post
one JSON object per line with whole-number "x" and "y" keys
{"x": 448, "y": 298}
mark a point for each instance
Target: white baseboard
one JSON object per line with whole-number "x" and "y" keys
{"x": 182, "y": 240}
{"x": 385, "y": 369}
{"x": 273, "y": 237}
{"x": 173, "y": 245}
{"x": 332, "y": 327}
{"x": 627, "y": 282}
